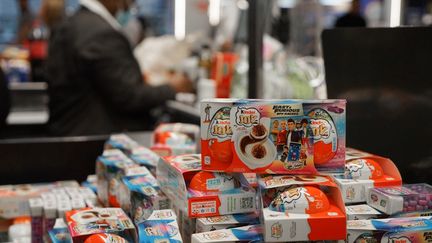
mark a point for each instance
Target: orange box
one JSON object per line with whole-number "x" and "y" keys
{"x": 364, "y": 171}
{"x": 301, "y": 208}
{"x": 176, "y": 176}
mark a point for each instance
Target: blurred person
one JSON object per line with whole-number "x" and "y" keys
{"x": 95, "y": 84}
{"x": 4, "y": 99}
{"x": 25, "y": 21}
{"x": 52, "y": 13}
{"x": 353, "y": 18}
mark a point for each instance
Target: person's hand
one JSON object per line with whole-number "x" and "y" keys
{"x": 180, "y": 83}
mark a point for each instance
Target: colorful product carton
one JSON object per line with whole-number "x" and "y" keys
{"x": 328, "y": 129}
{"x": 362, "y": 211}
{"x": 145, "y": 157}
{"x": 176, "y": 177}
{"x": 60, "y": 232}
{"x": 256, "y": 136}
{"x": 186, "y": 224}
{"x": 394, "y": 230}
{"x": 121, "y": 142}
{"x": 226, "y": 222}
{"x": 86, "y": 222}
{"x": 36, "y": 213}
{"x": 251, "y": 233}
{"x": 301, "y": 208}
{"x": 14, "y": 198}
{"x": 364, "y": 171}
{"x": 142, "y": 196}
{"x": 111, "y": 166}
{"x": 161, "y": 226}
{"x": 406, "y": 198}
{"x": 172, "y": 139}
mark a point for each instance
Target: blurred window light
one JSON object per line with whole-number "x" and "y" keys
{"x": 242, "y": 4}
{"x": 395, "y": 12}
{"x": 214, "y": 12}
{"x": 180, "y": 19}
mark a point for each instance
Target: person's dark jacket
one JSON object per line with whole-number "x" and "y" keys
{"x": 4, "y": 99}
{"x": 95, "y": 83}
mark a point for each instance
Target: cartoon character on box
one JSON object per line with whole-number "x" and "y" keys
{"x": 324, "y": 135}
{"x": 363, "y": 169}
{"x": 307, "y": 199}
{"x": 95, "y": 219}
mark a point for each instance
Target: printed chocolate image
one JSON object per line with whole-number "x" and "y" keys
{"x": 259, "y": 151}
{"x": 254, "y": 147}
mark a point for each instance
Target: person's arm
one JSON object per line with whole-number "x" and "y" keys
{"x": 109, "y": 61}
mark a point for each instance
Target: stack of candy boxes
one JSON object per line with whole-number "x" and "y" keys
{"x": 286, "y": 142}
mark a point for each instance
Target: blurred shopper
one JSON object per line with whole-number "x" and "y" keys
{"x": 4, "y": 99}
{"x": 95, "y": 83}
{"x": 353, "y": 18}
{"x": 52, "y": 13}
{"x": 25, "y": 21}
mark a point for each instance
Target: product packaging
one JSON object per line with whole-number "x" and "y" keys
{"x": 176, "y": 139}
{"x": 50, "y": 213}
{"x": 36, "y": 212}
{"x": 328, "y": 129}
{"x": 204, "y": 194}
{"x": 362, "y": 211}
{"x": 256, "y": 136}
{"x": 142, "y": 196}
{"x": 86, "y": 222}
{"x": 251, "y": 233}
{"x": 226, "y": 222}
{"x": 301, "y": 208}
{"x": 186, "y": 224}
{"x": 60, "y": 232}
{"x": 161, "y": 226}
{"x": 14, "y": 198}
{"x": 111, "y": 166}
{"x": 121, "y": 142}
{"x": 252, "y": 179}
{"x": 364, "y": 171}
{"x": 145, "y": 157}
{"x": 406, "y": 198}
{"x": 390, "y": 230}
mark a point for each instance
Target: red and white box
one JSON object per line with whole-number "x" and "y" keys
{"x": 181, "y": 179}
{"x": 301, "y": 208}
{"x": 364, "y": 171}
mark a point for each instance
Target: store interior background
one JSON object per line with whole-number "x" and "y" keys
{"x": 386, "y": 82}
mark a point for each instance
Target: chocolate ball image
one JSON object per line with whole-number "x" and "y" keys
{"x": 259, "y": 151}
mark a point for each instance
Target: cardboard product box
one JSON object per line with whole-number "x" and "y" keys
{"x": 110, "y": 168}
{"x": 364, "y": 171}
{"x": 86, "y": 222}
{"x": 121, "y": 142}
{"x": 406, "y": 198}
{"x": 328, "y": 129}
{"x": 251, "y": 233}
{"x": 260, "y": 136}
{"x": 301, "y": 208}
{"x": 172, "y": 139}
{"x": 186, "y": 224}
{"x": 145, "y": 157}
{"x": 226, "y": 222}
{"x": 142, "y": 196}
{"x": 393, "y": 230}
{"x": 424, "y": 213}
{"x": 36, "y": 212}
{"x": 176, "y": 175}
{"x": 161, "y": 226}
{"x": 14, "y": 198}
{"x": 251, "y": 179}
{"x": 362, "y": 211}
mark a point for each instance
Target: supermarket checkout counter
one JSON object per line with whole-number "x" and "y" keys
{"x": 32, "y": 160}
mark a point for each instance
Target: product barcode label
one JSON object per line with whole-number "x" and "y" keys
{"x": 198, "y": 208}
{"x": 246, "y": 203}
